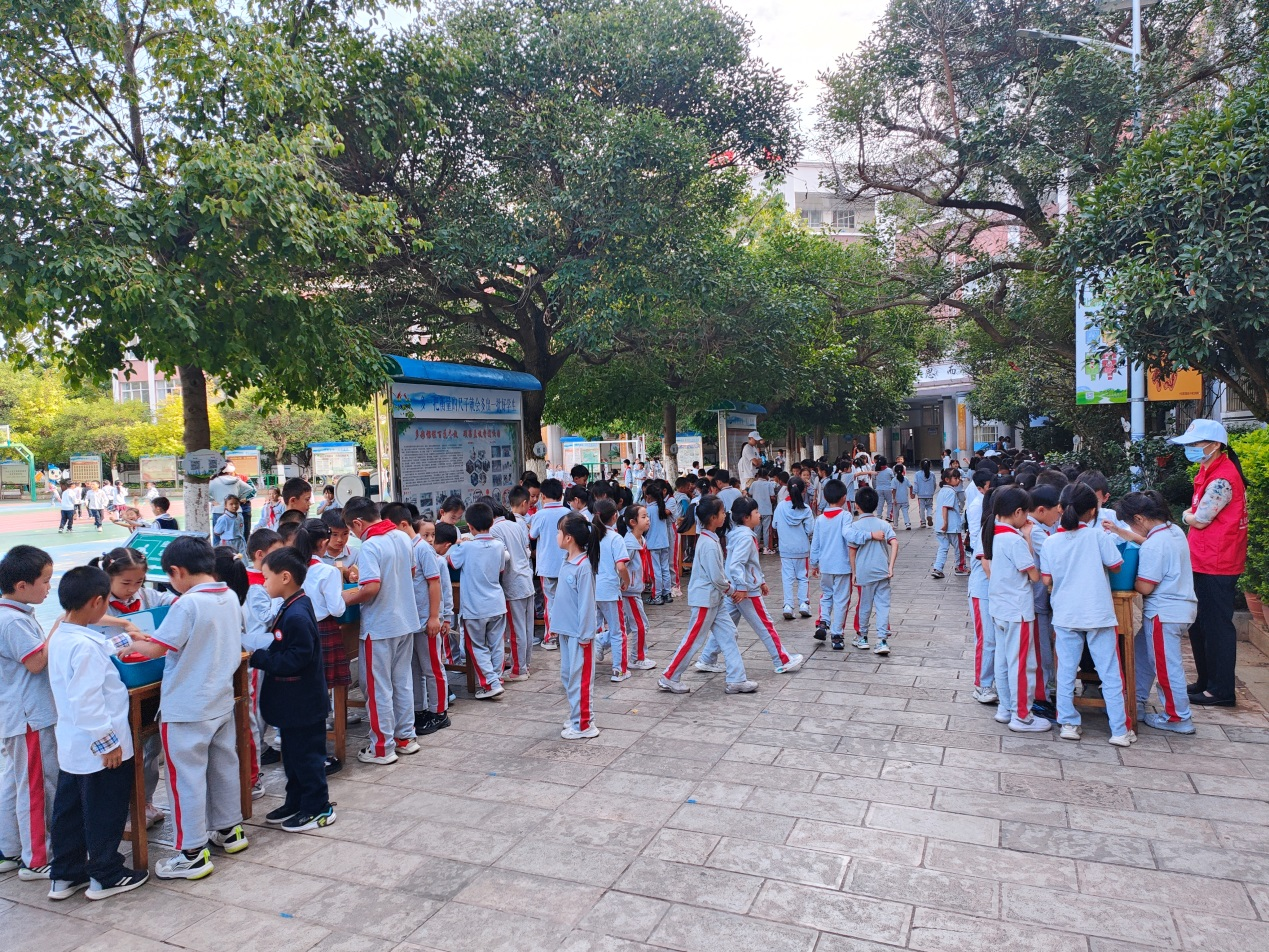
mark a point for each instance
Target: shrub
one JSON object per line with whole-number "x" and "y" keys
{"x": 1253, "y": 452}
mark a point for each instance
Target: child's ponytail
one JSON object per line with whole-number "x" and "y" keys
{"x": 605, "y": 510}
{"x": 575, "y": 526}
{"x": 1077, "y": 500}
{"x": 797, "y": 489}
{"x": 987, "y": 525}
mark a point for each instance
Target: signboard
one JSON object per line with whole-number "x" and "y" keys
{"x": 246, "y": 460}
{"x": 733, "y": 434}
{"x": 333, "y": 459}
{"x": 202, "y": 463}
{"x": 158, "y": 469}
{"x": 581, "y": 452}
{"x": 437, "y": 402}
{"x": 1101, "y": 370}
{"x": 1178, "y": 385}
{"x": 151, "y": 543}
{"x": 441, "y": 458}
{"x": 85, "y": 469}
{"x": 691, "y": 450}
{"x": 14, "y": 473}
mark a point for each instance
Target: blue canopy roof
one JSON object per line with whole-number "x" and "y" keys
{"x": 409, "y": 370}
{"x": 737, "y": 406}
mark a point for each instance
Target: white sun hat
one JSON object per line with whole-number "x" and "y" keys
{"x": 1202, "y": 431}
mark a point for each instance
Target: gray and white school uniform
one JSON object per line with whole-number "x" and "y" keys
{"x": 517, "y": 588}
{"x": 28, "y": 743}
{"x": 1084, "y": 612}
{"x": 872, "y": 567}
{"x": 632, "y": 614}
{"x": 658, "y": 540}
{"x": 885, "y": 492}
{"x": 946, "y": 499}
{"x": 744, "y": 571}
{"x": 612, "y": 555}
{"x": 763, "y": 492}
{"x": 203, "y": 637}
{"x": 979, "y": 603}
{"x": 431, "y": 687}
{"x": 1167, "y": 613}
{"x": 1013, "y": 614}
{"x": 573, "y": 623}
{"x": 343, "y": 560}
{"x": 483, "y": 604}
{"x": 925, "y": 487}
{"x": 543, "y": 527}
{"x": 1043, "y": 609}
{"x": 902, "y": 501}
{"x": 388, "y": 624}
{"x": 794, "y": 528}
{"x": 830, "y": 554}
{"x": 258, "y": 611}
{"x": 707, "y": 589}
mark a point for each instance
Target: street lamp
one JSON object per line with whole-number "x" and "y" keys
{"x": 1137, "y": 400}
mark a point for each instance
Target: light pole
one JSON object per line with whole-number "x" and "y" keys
{"x": 1137, "y": 385}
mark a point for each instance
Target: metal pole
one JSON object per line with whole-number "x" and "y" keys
{"x": 1137, "y": 407}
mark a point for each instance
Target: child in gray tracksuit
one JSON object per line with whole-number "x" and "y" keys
{"x": 831, "y": 563}
{"x": 482, "y": 600}
{"x": 873, "y": 550}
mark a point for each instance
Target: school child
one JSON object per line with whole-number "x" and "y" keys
{"x": 925, "y": 484}
{"x": 339, "y": 552}
{"x": 28, "y": 745}
{"x": 872, "y": 548}
{"x": 549, "y": 556}
{"x": 517, "y": 581}
{"x": 435, "y": 680}
{"x": 451, "y": 510}
{"x": 707, "y": 590}
{"x": 781, "y": 479}
{"x": 94, "y": 744}
{"x": 96, "y": 501}
{"x": 902, "y": 498}
{"x": 228, "y": 529}
{"x": 947, "y": 519}
{"x": 639, "y": 567}
{"x": 1043, "y": 516}
{"x": 611, "y": 576}
{"x": 66, "y": 504}
{"x": 883, "y": 482}
{"x": 1011, "y": 568}
{"x": 297, "y": 495}
{"x": 1165, "y": 579}
{"x": 258, "y": 612}
{"x": 1106, "y": 517}
{"x": 293, "y": 694}
{"x": 794, "y": 526}
{"x": 763, "y": 490}
{"x": 1074, "y": 562}
{"x": 327, "y": 501}
{"x": 658, "y": 541}
{"x": 162, "y": 520}
{"x": 389, "y": 619}
{"x": 748, "y": 586}
{"x": 202, "y": 639}
{"x": 484, "y": 606}
{"x": 979, "y": 602}
{"x": 573, "y": 622}
{"x": 830, "y": 562}
{"x": 325, "y": 589}
{"x": 272, "y": 510}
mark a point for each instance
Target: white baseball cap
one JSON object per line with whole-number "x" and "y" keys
{"x": 755, "y": 435}
{"x": 1202, "y": 431}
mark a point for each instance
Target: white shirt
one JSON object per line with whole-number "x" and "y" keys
{"x": 386, "y": 558}
{"x": 1077, "y": 561}
{"x": 324, "y": 587}
{"x": 517, "y": 577}
{"x": 1165, "y": 560}
{"x": 1009, "y": 589}
{"x": 92, "y": 703}
{"x": 203, "y": 635}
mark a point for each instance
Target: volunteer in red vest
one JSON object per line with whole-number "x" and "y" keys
{"x": 1217, "y": 518}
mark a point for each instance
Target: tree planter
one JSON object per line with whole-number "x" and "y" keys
{"x": 1255, "y": 606}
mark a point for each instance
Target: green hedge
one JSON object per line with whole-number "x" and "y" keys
{"x": 1253, "y": 452}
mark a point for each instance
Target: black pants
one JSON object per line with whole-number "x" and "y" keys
{"x": 1212, "y": 636}
{"x": 68, "y": 519}
{"x": 89, "y": 811}
{"x": 304, "y": 761}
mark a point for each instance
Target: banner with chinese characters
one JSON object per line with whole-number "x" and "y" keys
{"x": 1178, "y": 385}
{"x": 436, "y": 402}
{"x": 469, "y": 458}
{"x": 1101, "y": 371}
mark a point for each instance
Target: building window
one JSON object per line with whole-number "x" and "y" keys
{"x": 134, "y": 390}
{"x": 986, "y": 433}
{"x": 813, "y": 217}
{"x": 166, "y": 388}
{"x": 844, "y": 219}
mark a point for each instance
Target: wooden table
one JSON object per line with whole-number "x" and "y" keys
{"x": 1126, "y": 631}
{"x": 143, "y": 709}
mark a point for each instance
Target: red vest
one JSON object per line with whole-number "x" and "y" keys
{"x": 1221, "y": 548}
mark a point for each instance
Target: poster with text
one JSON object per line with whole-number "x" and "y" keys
{"x": 442, "y": 458}
{"x": 691, "y": 450}
{"x": 1101, "y": 371}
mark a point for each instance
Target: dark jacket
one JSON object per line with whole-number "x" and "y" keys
{"x": 293, "y": 692}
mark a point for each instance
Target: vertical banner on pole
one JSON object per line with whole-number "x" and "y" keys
{"x": 1101, "y": 370}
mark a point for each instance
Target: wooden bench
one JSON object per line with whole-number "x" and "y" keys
{"x": 1126, "y": 631}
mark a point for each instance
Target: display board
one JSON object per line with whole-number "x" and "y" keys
{"x": 691, "y": 450}
{"x": 733, "y": 434}
{"x": 151, "y": 543}
{"x": 331, "y": 460}
{"x": 1101, "y": 370}
{"x": 581, "y": 452}
{"x": 246, "y": 460}
{"x": 1178, "y": 385}
{"x": 85, "y": 469}
{"x": 437, "y": 402}
{"x": 441, "y": 458}
{"x": 158, "y": 469}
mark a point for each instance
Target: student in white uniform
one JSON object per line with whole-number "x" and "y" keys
{"x": 574, "y": 622}
{"x": 830, "y": 563}
{"x": 482, "y": 602}
{"x": 517, "y": 581}
{"x": 1043, "y": 518}
{"x": 902, "y": 498}
{"x": 640, "y": 569}
{"x": 925, "y": 483}
{"x": 979, "y": 605}
{"x": 947, "y": 519}
{"x": 435, "y": 680}
{"x": 611, "y": 576}
{"x": 884, "y": 484}
{"x": 794, "y": 524}
{"x": 1166, "y": 580}
{"x": 658, "y": 540}
{"x": 873, "y": 549}
{"x": 543, "y": 528}
{"x": 763, "y": 490}
{"x": 1074, "y": 562}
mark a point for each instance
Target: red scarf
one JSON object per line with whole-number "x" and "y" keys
{"x": 126, "y": 608}
{"x": 382, "y": 527}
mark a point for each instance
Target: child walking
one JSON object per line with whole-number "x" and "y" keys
{"x": 611, "y": 576}
{"x": 873, "y": 550}
{"x": 550, "y": 557}
{"x": 830, "y": 562}
{"x": 947, "y": 518}
{"x": 902, "y": 498}
{"x": 483, "y": 607}
{"x": 573, "y": 622}
{"x": 639, "y": 567}
{"x": 517, "y": 581}
{"x": 925, "y": 484}
{"x": 794, "y": 525}
{"x": 1074, "y": 562}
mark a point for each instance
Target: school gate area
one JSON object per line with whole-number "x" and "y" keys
{"x": 859, "y": 805}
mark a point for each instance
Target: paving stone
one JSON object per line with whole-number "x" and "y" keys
{"x": 813, "y": 806}
{"x": 462, "y": 928}
{"x": 931, "y": 823}
{"x": 1000, "y": 807}
{"x": 624, "y": 915}
{"x": 878, "y": 791}
{"x": 1153, "y": 826}
{"x": 704, "y": 930}
{"x": 693, "y": 885}
{"x": 745, "y": 824}
{"x": 1090, "y": 915}
{"x": 934, "y": 930}
{"x": 1202, "y": 931}
{"x": 1004, "y": 865}
{"x": 865, "y": 918}
{"x": 781, "y": 775}
{"x": 1177, "y": 890}
{"x": 1084, "y": 792}
{"x": 858, "y": 842}
{"x": 1203, "y": 806}
{"x": 1238, "y": 865}
{"x": 234, "y": 928}
{"x": 1076, "y": 844}
{"x": 923, "y": 887}
{"x": 368, "y": 910}
{"x": 787, "y": 863}
{"x": 568, "y": 861}
{"x": 682, "y": 846}
{"x": 937, "y": 775}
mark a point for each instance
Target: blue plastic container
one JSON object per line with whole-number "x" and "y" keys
{"x": 140, "y": 673}
{"x": 1126, "y": 578}
{"x": 353, "y": 612}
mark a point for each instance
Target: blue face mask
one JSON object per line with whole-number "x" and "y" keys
{"x": 1195, "y": 454}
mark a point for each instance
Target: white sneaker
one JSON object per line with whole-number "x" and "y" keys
{"x": 986, "y": 695}
{"x": 568, "y": 733}
{"x": 235, "y": 841}
{"x": 716, "y": 668}
{"x": 619, "y": 676}
{"x": 883, "y": 648}
{"x": 30, "y": 874}
{"x": 647, "y": 664}
{"x": 1121, "y": 740}
{"x": 488, "y": 694}
{"x": 804, "y": 610}
{"x": 515, "y": 678}
{"x": 368, "y": 756}
{"x": 794, "y": 662}
{"x": 181, "y": 866}
{"x": 1032, "y": 725}
{"x": 1070, "y": 732}
{"x": 674, "y": 687}
{"x": 861, "y": 642}
{"x": 788, "y": 612}
{"x": 741, "y": 687}
{"x": 133, "y": 879}
{"x": 1002, "y": 716}
{"x": 9, "y": 863}
{"x": 552, "y": 645}
{"x": 602, "y": 653}
{"x": 407, "y": 745}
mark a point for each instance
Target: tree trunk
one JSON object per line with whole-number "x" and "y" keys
{"x": 197, "y": 437}
{"x": 670, "y": 437}
{"x": 534, "y": 404}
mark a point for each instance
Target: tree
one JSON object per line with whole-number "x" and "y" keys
{"x": 1174, "y": 243}
{"x": 167, "y": 194}
{"x": 584, "y": 139}
{"x": 165, "y": 436}
{"x": 30, "y": 401}
{"x": 97, "y": 424}
{"x": 280, "y": 428}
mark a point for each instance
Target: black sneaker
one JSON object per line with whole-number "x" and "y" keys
{"x": 308, "y": 821}
{"x": 839, "y": 643}
{"x": 333, "y": 765}
{"x": 65, "y": 888}
{"x": 434, "y": 723}
{"x": 129, "y": 881}
{"x": 271, "y": 755}
{"x": 1044, "y": 709}
{"x": 280, "y": 815}
{"x": 821, "y": 632}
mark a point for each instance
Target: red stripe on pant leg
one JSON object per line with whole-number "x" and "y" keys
{"x": 515, "y": 651}
{"x": 859, "y": 601}
{"x": 639, "y": 629}
{"x": 674, "y": 569}
{"x": 1161, "y": 670}
{"x": 471, "y": 661}
{"x": 1039, "y": 668}
{"x": 588, "y": 673}
{"x": 771, "y": 630}
{"x": 438, "y": 673}
{"x": 546, "y": 616}
{"x": 978, "y": 640}
{"x": 251, "y": 734}
{"x": 686, "y": 650}
{"x": 625, "y": 650}
{"x": 1023, "y": 692}
{"x": 372, "y": 702}
{"x": 176, "y": 796}
{"x": 35, "y": 799}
